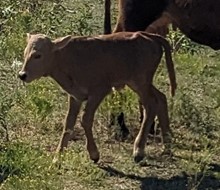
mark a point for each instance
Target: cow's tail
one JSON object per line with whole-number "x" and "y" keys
{"x": 168, "y": 57}
{"x": 107, "y": 17}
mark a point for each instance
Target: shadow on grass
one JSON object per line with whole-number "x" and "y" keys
{"x": 181, "y": 182}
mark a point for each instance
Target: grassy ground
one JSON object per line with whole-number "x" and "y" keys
{"x": 31, "y": 116}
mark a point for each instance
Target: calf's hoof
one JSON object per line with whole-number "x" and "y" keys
{"x": 138, "y": 158}
{"x": 94, "y": 157}
{"x": 95, "y": 160}
{"x": 138, "y": 155}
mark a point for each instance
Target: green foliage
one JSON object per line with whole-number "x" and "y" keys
{"x": 8, "y": 95}
{"x": 181, "y": 44}
{"x": 26, "y": 167}
{"x": 54, "y": 18}
{"x": 197, "y": 104}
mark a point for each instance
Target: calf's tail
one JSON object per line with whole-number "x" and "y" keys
{"x": 168, "y": 57}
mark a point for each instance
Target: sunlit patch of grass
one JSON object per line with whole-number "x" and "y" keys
{"x": 24, "y": 167}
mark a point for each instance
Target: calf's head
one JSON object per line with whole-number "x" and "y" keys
{"x": 39, "y": 56}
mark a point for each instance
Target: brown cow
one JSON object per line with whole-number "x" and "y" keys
{"x": 88, "y": 67}
{"x": 157, "y": 26}
{"x": 197, "y": 19}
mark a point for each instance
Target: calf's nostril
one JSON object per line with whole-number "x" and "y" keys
{"x": 22, "y": 75}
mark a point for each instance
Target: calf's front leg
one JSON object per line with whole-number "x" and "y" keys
{"x": 73, "y": 110}
{"x": 87, "y": 122}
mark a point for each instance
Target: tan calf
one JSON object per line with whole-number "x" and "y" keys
{"x": 88, "y": 67}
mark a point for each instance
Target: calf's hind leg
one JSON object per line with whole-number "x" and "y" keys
{"x": 141, "y": 111}
{"x": 149, "y": 112}
{"x": 163, "y": 116}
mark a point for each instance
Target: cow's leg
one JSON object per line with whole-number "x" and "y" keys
{"x": 73, "y": 110}
{"x": 119, "y": 117}
{"x": 163, "y": 117}
{"x": 149, "y": 112}
{"x": 123, "y": 128}
{"x": 87, "y": 122}
{"x": 124, "y": 131}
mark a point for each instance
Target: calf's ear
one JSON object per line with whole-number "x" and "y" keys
{"x": 61, "y": 42}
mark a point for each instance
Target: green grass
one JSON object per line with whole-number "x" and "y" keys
{"x": 31, "y": 116}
